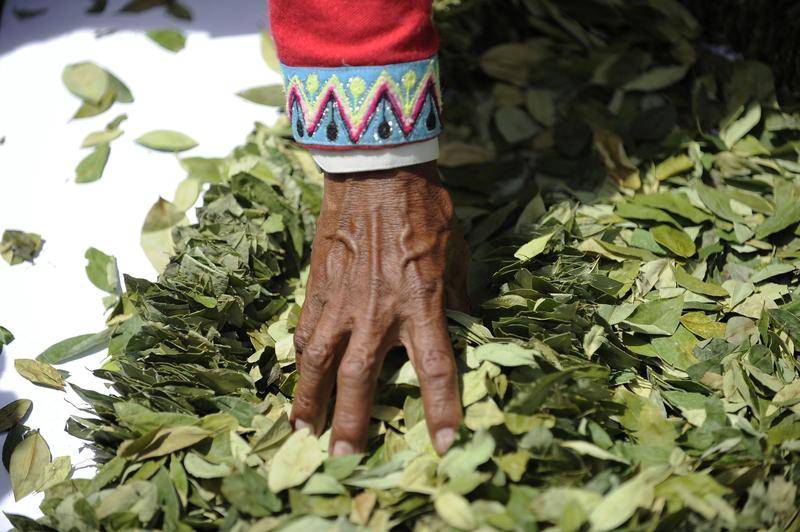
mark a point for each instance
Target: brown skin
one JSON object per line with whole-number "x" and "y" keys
{"x": 386, "y": 261}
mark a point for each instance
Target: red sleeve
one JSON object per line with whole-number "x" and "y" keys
{"x": 332, "y": 33}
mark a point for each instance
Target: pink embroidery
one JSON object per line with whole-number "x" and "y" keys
{"x": 406, "y": 124}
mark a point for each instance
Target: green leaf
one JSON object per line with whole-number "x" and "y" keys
{"x": 163, "y": 441}
{"x": 56, "y": 471}
{"x": 717, "y": 202}
{"x": 91, "y": 167}
{"x": 295, "y": 461}
{"x": 179, "y": 11}
{"x": 18, "y": 246}
{"x": 672, "y": 166}
{"x": 533, "y": 248}
{"x": 162, "y": 215}
{"x": 39, "y": 373}
{"x": 541, "y": 104}
{"x": 695, "y": 285}
{"x": 137, "y": 498}
{"x": 702, "y": 325}
{"x": 24, "y": 14}
{"x": 5, "y": 337}
{"x": 657, "y": 78}
{"x": 197, "y": 467}
{"x": 13, "y": 438}
{"x": 483, "y": 415}
{"x": 460, "y": 460}
{"x": 269, "y": 53}
{"x": 187, "y": 193}
{"x": 735, "y": 131}
{"x": 166, "y": 140}
{"x": 14, "y": 413}
{"x": 89, "y": 109}
{"x": 621, "y": 503}
{"x": 158, "y": 246}
{"x": 642, "y": 212}
{"x": 505, "y": 354}
{"x": 677, "y": 350}
{"x": 75, "y": 348}
{"x": 87, "y": 81}
{"x": 28, "y": 463}
{"x": 205, "y": 170}
{"x": 589, "y": 449}
{"x": 249, "y": 493}
{"x": 787, "y": 211}
{"x": 100, "y": 137}
{"x": 169, "y": 39}
{"x": 136, "y": 6}
{"x": 675, "y": 240}
{"x": 102, "y": 271}
{"x": 266, "y": 95}
{"x": 660, "y": 316}
{"x": 121, "y": 91}
{"x": 455, "y": 510}
{"x": 514, "y": 124}
{"x": 673, "y": 202}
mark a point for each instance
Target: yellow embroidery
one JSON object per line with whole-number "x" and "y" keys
{"x": 311, "y": 101}
{"x": 312, "y": 83}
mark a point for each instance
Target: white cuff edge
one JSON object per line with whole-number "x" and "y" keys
{"x": 361, "y": 160}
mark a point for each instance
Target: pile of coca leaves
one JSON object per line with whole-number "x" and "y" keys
{"x": 631, "y": 196}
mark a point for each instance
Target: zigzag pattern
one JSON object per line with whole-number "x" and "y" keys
{"x": 356, "y": 105}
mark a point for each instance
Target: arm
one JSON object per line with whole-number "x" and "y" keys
{"x": 363, "y": 94}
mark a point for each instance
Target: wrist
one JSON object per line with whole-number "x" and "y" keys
{"x": 410, "y": 194}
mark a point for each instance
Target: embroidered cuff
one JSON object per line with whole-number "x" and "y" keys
{"x": 346, "y": 161}
{"x": 364, "y": 106}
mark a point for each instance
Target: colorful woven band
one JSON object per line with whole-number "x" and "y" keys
{"x": 364, "y": 106}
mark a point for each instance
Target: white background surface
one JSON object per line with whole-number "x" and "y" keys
{"x": 192, "y": 91}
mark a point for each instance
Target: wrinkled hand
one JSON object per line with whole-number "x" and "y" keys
{"x": 385, "y": 262}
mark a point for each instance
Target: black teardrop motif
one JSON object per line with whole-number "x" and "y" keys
{"x": 332, "y": 131}
{"x": 430, "y": 122}
{"x": 299, "y": 127}
{"x": 384, "y": 130}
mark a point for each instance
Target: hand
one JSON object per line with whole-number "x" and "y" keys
{"x": 385, "y": 261}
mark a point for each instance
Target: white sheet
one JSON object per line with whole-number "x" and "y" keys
{"x": 192, "y": 91}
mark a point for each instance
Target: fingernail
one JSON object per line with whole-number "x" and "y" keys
{"x": 444, "y": 439}
{"x": 341, "y": 448}
{"x": 299, "y": 424}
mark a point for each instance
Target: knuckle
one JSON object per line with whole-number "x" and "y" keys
{"x": 316, "y": 361}
{"x": 437, "y": 367}
{"x": 301, "y": 338}
{"x": 303, "y": 406}
{"x": 357, "y": 365}
{"x": 316, "y": 298}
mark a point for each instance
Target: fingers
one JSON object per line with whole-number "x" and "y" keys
{"x": 317, "y": 372}
{"x": 356, "y": 381}
{"x": 431, "y": 352}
